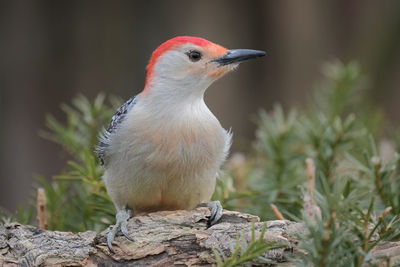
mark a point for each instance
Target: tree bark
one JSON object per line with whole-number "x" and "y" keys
{"x": 160, "y": 239}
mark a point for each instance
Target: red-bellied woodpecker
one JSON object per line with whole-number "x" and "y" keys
{"x": 164, "y": 147}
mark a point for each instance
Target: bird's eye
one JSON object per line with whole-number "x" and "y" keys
{"x": 194, "y": 55}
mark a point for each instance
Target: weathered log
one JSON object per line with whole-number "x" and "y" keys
{"x": 160, "y": 239}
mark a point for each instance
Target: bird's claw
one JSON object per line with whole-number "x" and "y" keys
{"x": 124, "y": 231}
{"x": 111, "y": 236}
{"x": 122, "y": 218}
{"x": 216, "y": 212}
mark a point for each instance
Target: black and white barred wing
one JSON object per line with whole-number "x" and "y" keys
{"x": 116, "y": 120}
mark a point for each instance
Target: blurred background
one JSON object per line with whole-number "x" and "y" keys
{"x": 52, "y": 50}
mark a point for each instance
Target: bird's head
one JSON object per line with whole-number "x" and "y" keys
{"x": 190, "y": 64}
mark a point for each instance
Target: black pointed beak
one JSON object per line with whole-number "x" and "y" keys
{"x": 238, "y": 55}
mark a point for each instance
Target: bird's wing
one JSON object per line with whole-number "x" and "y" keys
{"x": 116, "y": 120}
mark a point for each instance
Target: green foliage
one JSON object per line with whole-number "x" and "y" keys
{"x": 23, "y": 215}
{"x": 383, "y": 176}
{"x": 343, "y": 92}
{"x": 356, "y": 189}
{"x": 285, "y": 141}
{"x": 339, "y": 90}
{"x": 347, "y": 230}
{"x": 5, "y": 216}
{"x": 84, "y": 122}
{"x": 279, "y": 164}
{"x": 77, "y": 199}
{"x": 247, "y": 253}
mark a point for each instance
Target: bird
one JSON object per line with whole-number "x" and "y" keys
{"x": 164, "y": 148}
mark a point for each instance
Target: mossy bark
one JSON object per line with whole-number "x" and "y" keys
{"x": 164, "y": 238}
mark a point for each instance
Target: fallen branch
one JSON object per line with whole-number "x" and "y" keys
{"x": 160, "y": 239}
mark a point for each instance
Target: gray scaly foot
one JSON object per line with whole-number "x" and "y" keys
{"x": 216, "y": 212}
{"x": 122, "y": 218}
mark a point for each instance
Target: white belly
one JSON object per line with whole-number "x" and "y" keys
{"x": 154, "y": 167}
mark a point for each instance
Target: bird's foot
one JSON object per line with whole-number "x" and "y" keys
{"x": 122, "y": 218}
{"x": 216, "y": 211}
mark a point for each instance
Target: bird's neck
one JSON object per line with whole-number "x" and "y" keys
{"x": 170, "y": 105}
{"x": 170, "y": 93}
